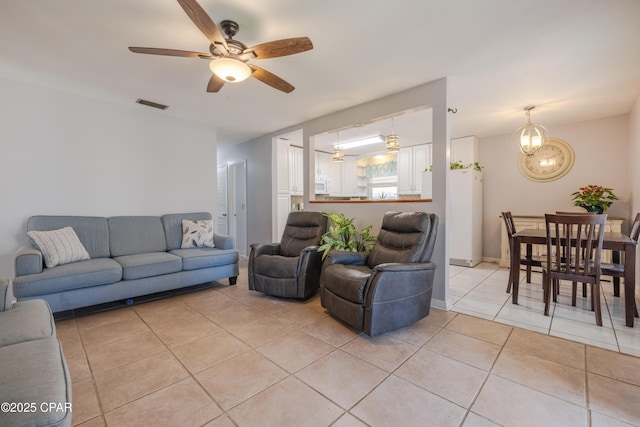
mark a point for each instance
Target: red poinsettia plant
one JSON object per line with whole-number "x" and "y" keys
{"x": 594, "y": 198}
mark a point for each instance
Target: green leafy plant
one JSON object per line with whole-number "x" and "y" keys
{"x": 594, "y": 198}
{"x": 459, "y": 165}
{"x": 343, "y": 236}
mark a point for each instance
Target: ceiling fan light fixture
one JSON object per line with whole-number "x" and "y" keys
{"x": 230, "y": 69}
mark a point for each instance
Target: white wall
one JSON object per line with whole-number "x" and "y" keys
{"x": 64, "y": 154}
{"x": 601, "y": 157}
{"x": 634, "y": 170}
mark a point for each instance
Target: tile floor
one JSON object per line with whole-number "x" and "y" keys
{"x": 480, "y": 292}
{"x": 226, "y": 356}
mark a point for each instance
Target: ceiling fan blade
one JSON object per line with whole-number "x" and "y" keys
{"x": 282, "y": 47}
{"x": 271, "y": 79}
{"x": 205, "y": 24}
{"x": 215, "y": 84}
{"x": 170, "y": 52}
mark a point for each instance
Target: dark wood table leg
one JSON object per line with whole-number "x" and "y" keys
{"x": 515, "y": 269}
{"x": 630, "y": 283}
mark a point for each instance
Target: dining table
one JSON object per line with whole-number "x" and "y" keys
{"x": 612, "y": 241}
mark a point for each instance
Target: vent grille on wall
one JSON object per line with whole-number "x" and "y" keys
{"x": 152, "y": 104}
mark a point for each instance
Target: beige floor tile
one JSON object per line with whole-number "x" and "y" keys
{"x": 221, "y": 421}
{"x": 234, "y": 315}
{"x": 474, "y": 420}
{"x": 137, "y": 379}
{"x": 512, "y": 404}
{"x": 183, "y": 331}
{"x": 600, "y": 420}
{"x": 382, "y": 351}
{"x": 463, "y": 348}
{"x": 397, "y": 402}
{"x": 207, "y": 301}
{"x": 104, "y": 357}
{"x": 348, "y": 420}
{"x": 551, "y": 348}
{"x": 548, "y": 377}
{"x": 69, "y": 336}
{"x": 301, "y": 313}
{"x": 331, "y": 331}
{"x": 492, "y": 332}
{"x": 78, "y": 366}
{"x": 418, "y": 333}
{"x": 446, "y": 377}
{"x": 237, "y": 379}
{"x": 613, "y": 365}
{"x": 341, "y": 377}
{"x": 288, "y": 403}
{"x": 439, "y": 317}
{"x": 261, "y": 331}
{"x": 264, "y": 303}
{"x": 209, "y": 351}
{"x": 614, "y": 398}
{"x": 85, "y": 402}
{"x": 93, "y": 422}
{"x": 295, "y": 351}
{"x": 106, "y": 317}
{"x": 114, "y": 331}
{"x": 183, "y": 403}
{"x": 177, "y": 312}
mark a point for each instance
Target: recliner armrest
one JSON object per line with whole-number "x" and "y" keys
{"x": 399, "y": 266}
{"x": 348, "y": 258}
{"x": 258, "y": 249}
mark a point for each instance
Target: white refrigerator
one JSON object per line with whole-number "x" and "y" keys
{"x": 466, "y": 217}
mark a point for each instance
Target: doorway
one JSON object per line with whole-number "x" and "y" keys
{"x": 237, "y": 204}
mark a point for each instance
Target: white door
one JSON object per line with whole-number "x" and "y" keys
{"x": 222, "y": 201}
{"x": 238, "y": 205}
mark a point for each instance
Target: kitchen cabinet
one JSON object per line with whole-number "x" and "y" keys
{"x": 412, "y": 161}
{"x": 296, "y": 173}
{"x": 323, "y": 166}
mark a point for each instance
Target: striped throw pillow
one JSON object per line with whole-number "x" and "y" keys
{"x": 60, "y": 246}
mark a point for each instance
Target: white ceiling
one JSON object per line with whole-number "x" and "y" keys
{"x": 574, "y": 59}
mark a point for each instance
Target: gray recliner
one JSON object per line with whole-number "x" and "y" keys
{"x": 291, "y": 268}
{"x": 389, "y": 287}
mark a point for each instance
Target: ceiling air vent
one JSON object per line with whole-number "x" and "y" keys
{"x": 152, "y": 104}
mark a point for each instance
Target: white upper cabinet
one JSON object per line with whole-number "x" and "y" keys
{"x": 296, "y": 173}
{"x": 412, "y": 161}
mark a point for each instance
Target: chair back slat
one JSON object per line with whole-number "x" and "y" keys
{"x": 635, "y": 228}
{"x": 574, "y": 244}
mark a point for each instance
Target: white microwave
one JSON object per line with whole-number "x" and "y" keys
{"x": 322, "y": 187}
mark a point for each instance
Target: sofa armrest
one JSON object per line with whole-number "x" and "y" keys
{"x": 223, "y": 242}
{"x": 28, "y": 261}
{"x": 6, "y": 295}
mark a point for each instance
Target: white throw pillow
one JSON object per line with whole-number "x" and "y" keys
{"x": 60, "y": 246}
{"x": 197, "y": 234}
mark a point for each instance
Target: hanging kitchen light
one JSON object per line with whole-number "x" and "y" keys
{"x": 338, "y": 152}
{"x": 393, "y": 141}
{"x": 531, "y": 137}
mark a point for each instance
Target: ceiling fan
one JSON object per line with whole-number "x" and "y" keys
{"x": 229, "y": 57}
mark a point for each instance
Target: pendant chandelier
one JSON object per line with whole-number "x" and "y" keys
{"x": 338, "y": 152}
{"x": 393, "y": 141}
{"x": 531, "y": 137}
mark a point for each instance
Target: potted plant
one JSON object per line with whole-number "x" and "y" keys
{"x": 343, "y": 236}
{"x": 594, "y": 198}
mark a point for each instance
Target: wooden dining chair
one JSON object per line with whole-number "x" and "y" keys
{"x": 579, "y": 238}
{"x": 615, "y": 269}
{"x": 584, "y": 285}
{"x": 529, "y": 260}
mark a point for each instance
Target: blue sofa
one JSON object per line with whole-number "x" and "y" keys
{"x": 130, "y": 256}
{"x": 35, "y": 386}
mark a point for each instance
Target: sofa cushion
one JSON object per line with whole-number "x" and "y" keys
{"x": 130, "y": 235}
{"x": 93, "y": 232}
{"x": 26, "y": 321}
{"x": 35, "y": 372}
{"x": 151, "y": 264}
{"x": 82, "y": 274}
{"x": 196, "y": 258}
{"x": 60, "y": 246}
{"x": 197, "y": 234}
{"x": 173, "y": 226}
